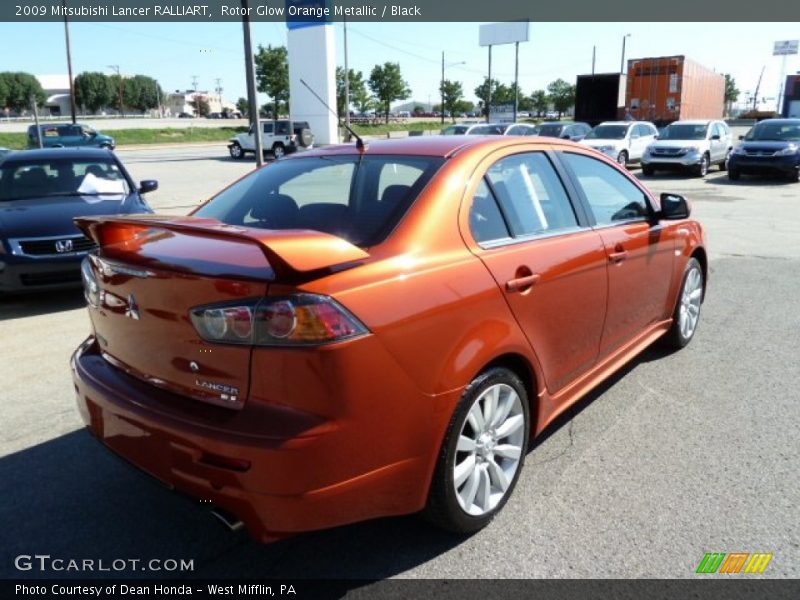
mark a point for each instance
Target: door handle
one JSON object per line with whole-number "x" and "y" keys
{"x": 520, "y": 284}
{"x": 618, "y": 256}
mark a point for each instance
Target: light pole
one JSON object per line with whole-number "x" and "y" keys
{"x": 69, "y": 64}
{"x": 441, "y": 84}
{"x": 622, "y": 61}
{"x": 115, "y": 68}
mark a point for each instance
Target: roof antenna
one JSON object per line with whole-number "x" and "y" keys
{"x": 360, "y": 146}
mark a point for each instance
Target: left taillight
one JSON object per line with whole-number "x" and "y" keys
{"x": 296, "y": 320}
{"x": 91, "y": 289}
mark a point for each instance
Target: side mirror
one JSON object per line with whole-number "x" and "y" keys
{"x": 148, "y": 185}
{"x": 715, "y": 137}
{"x": 674, "y": 207}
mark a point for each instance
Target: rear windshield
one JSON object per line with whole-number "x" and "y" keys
{"x": 64, "y": 176}
{"x": 358, "y": 200}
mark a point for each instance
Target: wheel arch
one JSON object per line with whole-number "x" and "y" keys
{"x": 699, "y": 253}
{"x": 522, "y": 368}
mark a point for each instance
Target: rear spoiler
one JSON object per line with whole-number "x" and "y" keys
{"x": 287, "y": 251}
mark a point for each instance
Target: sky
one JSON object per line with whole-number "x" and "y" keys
{"x": 174, "y": 52}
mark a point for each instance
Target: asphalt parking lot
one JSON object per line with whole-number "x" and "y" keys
{"x": 676, "y": 456}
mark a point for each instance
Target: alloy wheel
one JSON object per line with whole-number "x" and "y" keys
{"x": 489, "y": 449}
{"x": 689, "y": 312}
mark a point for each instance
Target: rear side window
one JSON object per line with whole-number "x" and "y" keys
{"x": 610, "y": 194}
{"x": 360, "y": 200}
{"x": 530, "y": 194}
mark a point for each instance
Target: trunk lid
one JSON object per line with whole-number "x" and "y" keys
{"x": 152, "y": 271}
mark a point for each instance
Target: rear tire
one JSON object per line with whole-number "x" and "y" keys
{"x": 648, "y": 170}
{"x": 482, "y": 453}
{"x": 733, "y": 175}
{"x": 686, "y": 316}
{"x": 723, "y": 166}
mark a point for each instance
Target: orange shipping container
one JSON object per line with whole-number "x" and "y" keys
{"x": 671, "y": 88}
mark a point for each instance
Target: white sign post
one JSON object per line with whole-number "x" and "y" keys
{"x": 783, "y": 49}
{"x": 494, "y": 34}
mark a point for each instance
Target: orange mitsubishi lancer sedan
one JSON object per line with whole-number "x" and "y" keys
{"x": 355, "y": 332}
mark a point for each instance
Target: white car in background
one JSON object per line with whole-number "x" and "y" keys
{"x": 624, "y": 141}
{"x": 690, "y": 145}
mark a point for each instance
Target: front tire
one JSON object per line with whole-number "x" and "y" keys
{"x": 733, "y": 174}
{"x": 701, "y": 170}
{"x": 687, "y": 311}
{"x": 236, "y": 151}
{"x": 482, "y": 453}
{"x": 648, "y": 170}
{"x": 278, "y": 151}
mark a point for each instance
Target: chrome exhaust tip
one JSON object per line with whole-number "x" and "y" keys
{"x": 228, "y": 520}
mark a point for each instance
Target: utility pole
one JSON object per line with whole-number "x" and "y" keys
{"x": 516, "y": 80}
{"x": 69, "y": 64}
{"x": 115, "y": 68}
{"x": 441, "y": 89}
{"x": 594, "y": 56}
{"x": 346, "y": 82}
{"x": 218, "y": 89}
{"x": 489, "y": 90}
{"x": 252, "y": 97}
{"x": 36, "y": 120}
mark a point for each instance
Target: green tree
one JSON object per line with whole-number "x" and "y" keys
{"x": 539, "y": 102}
{"x": 731, "y": 92}
{"x": 562, "y": 95}
{"x": 452, "y": 92}
{"x": 388, "y": 85}
{"x": 243, "y": 106}
{"x": 200, "y": 105}
{"x": 119, "y": 94}
{"x": 272, "y": 74}
{"x": 92, "y": 91}
{"x": 358, "y": 89}
{"x": 482, "y": 92}
{"x": 19, "y": 87}
{"x": 142, "y": 92}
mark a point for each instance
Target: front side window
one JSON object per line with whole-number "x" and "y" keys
{"x": 530, "y": 195}
{"x": 358, "y": 199}
{"x": 610, "y": 194}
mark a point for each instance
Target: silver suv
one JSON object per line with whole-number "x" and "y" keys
{"x": 690, "y": 145}
{"x": 278, "y": 137}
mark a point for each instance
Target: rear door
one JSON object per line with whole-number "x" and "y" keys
{"x": 639, "y": 251}
{"x": 549, "y": 265}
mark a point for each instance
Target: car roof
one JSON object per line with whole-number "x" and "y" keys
{"x": 432, "y": 145}
{"x": 784, "y": 121}
{"x": 54, "y": 153}
{"x": 622, "y": 122}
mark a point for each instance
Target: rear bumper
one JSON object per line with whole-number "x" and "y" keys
{"x": 769, "y": 164}
{"x": 24, "y": 274}
{"x": 304, "y": 473}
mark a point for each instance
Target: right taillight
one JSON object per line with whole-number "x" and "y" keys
{"x": 296, "y": 320}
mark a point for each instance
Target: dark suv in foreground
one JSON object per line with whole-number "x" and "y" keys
{"x": 772, "y": 146}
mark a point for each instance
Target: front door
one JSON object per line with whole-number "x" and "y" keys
{"x": 550, "y": 266}
{"x": 639, "y": 252}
